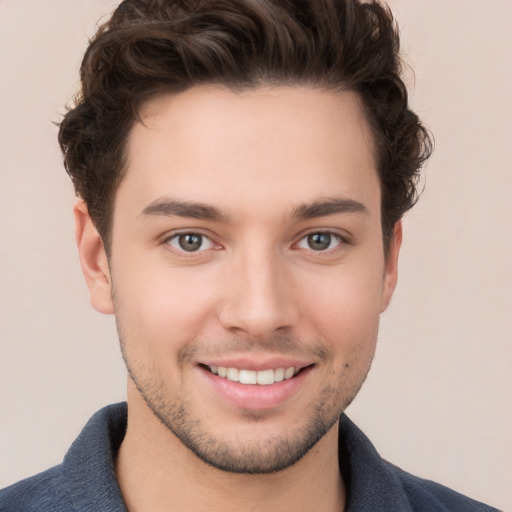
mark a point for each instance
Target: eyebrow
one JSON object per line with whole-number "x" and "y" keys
{"x": 170, "y": 207}
{"x": 331, "y": 206}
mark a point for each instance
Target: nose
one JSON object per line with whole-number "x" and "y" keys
{"x": 259, "y": 298}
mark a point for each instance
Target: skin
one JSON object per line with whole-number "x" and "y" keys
{"x": 268, "y": 168}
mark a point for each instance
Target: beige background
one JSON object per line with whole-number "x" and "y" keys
{"x": 438, "y": 400}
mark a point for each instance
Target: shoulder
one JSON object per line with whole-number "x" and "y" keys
{"x": 426, "y": 495}
{"x": 39, "y": 492}
{"x": 376, "y": 484}
{"x": 85, "y": 480}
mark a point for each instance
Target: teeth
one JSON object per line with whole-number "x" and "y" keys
{"x": 247, "y": 377}
{"x": 263, "y": 377}
{"x": 232, "y": 374}
{"x": 288, "y": 373}
{"x": 279, "y": 375}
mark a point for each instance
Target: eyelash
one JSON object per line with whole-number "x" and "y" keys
{"x": 333, "y": 237}
{"x": 338, "y": 239}
{"x": 176, "y": 237}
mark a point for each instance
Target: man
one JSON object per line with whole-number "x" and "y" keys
{"x": 242, "y": 169}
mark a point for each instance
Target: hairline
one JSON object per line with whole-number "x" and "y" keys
{"x": 238, "y": 88}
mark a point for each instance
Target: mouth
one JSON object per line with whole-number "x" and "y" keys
{"x": 255, "y": 377}
{"x": 250, "y": 384}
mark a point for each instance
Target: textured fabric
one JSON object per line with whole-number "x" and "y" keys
{"x": 86, "y": 482}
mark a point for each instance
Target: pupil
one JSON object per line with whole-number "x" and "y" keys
{"x": 190, "y": 242}
{"x": 319, "y": 241}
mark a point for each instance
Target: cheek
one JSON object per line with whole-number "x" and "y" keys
{"x": 159, "y": 309}
{"x": 345, "y": 310}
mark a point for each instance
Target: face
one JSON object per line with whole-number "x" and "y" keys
{"x": 247, "y": 269}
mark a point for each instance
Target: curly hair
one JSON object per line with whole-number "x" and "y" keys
{"x": 149, "y": 47}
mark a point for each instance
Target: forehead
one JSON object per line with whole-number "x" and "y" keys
{"x": 284, "y": 144}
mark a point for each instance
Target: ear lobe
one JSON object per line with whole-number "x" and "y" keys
{"x": 93, "y": 259}
{"x": 391, "y": 269}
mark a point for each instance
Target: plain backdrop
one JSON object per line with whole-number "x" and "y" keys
{"x": 438, "y": 399}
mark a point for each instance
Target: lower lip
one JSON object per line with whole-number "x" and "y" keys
{"x": 254, "y": 396}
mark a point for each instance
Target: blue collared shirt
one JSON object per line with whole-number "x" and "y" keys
{"x": 86, "y": 480}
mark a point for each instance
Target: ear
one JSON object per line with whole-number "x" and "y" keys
{"x": 93, "y": 259}
{"x": 391, "y": 269}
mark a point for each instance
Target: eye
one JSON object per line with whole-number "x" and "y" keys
{"x": 320, "y": 241}
{"x": 190, "y": 242}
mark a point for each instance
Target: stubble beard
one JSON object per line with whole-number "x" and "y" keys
{"x": 271, "y": 455}
{"x": 254, "y": 457}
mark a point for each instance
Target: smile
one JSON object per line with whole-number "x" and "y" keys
{"x": 261, "y": 377}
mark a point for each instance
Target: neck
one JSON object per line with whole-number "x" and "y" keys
{"x": 157, "y": 472}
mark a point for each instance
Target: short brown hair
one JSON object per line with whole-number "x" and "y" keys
{"x": 153, "y": 46}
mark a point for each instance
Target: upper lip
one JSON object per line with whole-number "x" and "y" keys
{"x": 257, "y": 363}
